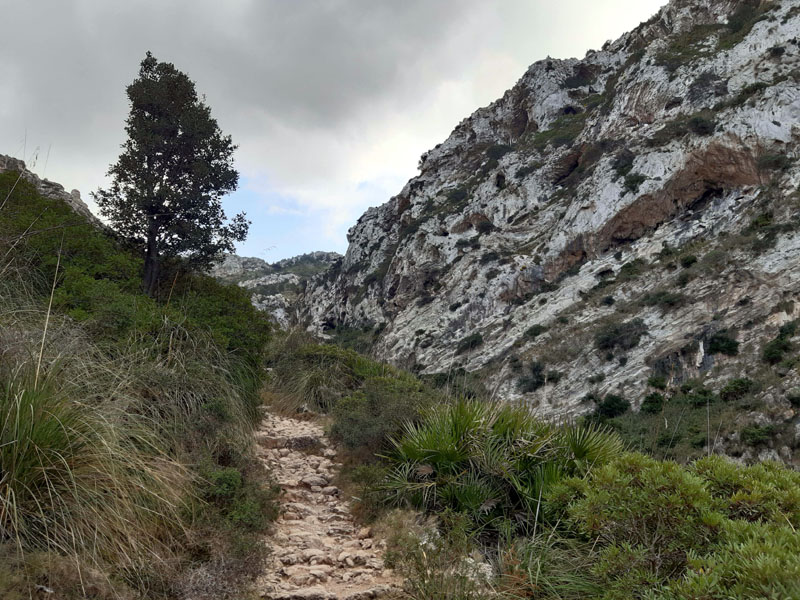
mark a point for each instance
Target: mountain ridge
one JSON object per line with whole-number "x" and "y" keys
{"x": 564, "y": 209}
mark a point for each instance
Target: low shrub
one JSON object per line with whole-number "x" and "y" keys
{"x": 652, "y": 403}
{"x": 736, "y": 389}
{"x": 490, "y": 462}
{"x": 633, "y": 181}
{"x": 622, "y": 336}
{"x": 723, "y": 343}
{"x": 366, "y": 419}
{"x": 534, "y": 331}
{"x": 498, "y": 151}
{"x": 611, "y": 406}
{"x": 631, "y": 270}
{"x": 664, "y": 299}
{"x": 773, "y": 162}
{"x": 775, "y": 350}
{"x": 484, "y": 227}
{"x": 688, "y": 260}
{"x": 623, "y": 162}
{"x": 755, "y": 435}
{"x": 643, "y": 515}
{"x": 469, "y": 343}
{"x": 537, "y": 376}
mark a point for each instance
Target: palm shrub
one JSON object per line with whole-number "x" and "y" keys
{"x": 491, "y": 461}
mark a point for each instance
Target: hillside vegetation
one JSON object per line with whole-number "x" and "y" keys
{"x": 484, "y": 500}
{"x": 125, "y": 421}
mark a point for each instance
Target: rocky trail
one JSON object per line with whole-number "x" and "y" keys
{"x": 318, "y": 552}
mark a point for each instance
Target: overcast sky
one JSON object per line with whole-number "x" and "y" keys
{"x": 330, "y": 101}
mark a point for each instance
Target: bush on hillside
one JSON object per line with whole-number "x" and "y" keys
{"x": 367, "y": 418}
{"x": 536, "y": 377}
{"x": 723, "y": 343}
{"x": 622, "y": 336}
{"x": 489, "y": 461}
{"x": 139, "y": 393}
{"x": 469, "y": 343}
{"x": 736, "y": 389}
{"x": 611, "y": 406}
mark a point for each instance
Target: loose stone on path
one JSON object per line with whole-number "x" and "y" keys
{"x": 317, "y": 551}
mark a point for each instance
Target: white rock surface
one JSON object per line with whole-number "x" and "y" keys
{"x": 474, "y": 245}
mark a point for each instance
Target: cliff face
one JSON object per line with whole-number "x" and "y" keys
{"x": 649, "y": 188}
{"x": 275, "y": 286}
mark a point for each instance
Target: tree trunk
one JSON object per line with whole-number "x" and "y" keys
{"x": 151, "y": 266}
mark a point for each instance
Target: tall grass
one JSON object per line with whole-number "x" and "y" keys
{"x": 104, "y": 458}
{"x": 77, "y": 481}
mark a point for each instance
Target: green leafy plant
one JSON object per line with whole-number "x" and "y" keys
{"x": 722, "y": 342}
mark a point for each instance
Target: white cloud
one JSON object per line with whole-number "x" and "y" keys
{"x": 321, "y": 95}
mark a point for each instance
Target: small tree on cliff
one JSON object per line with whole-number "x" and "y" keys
{"x": 175, "y": 167}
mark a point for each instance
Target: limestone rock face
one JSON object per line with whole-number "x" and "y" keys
{"x": 274, "y": 286}
{"x": 570, "y": 203}
{"x": 48, "y": 188}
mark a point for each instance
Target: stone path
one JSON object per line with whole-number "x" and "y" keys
{"x": 318, "y": 553}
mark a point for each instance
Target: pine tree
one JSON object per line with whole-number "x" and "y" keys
{"x": 175, "y": 167}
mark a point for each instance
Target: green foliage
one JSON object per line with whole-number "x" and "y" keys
{"x": 458, "y": 194}
{"x": 498, "y": 151}
{"x": 652, "y": 403}
{"x": 484, "y": 227}
{"x": 755, "y": 435}
{"x": 358, "y": 339}
{"x": 657, "y": 381}
{"x": 536, "y": 377}
{"x": 742, "y": 21}
{"x": 644, "y": 515}
{"x": 562, "y": 132}
{"x": 688, "y": 260}
{"x": 702, "y": 123}
{"x": 686, "y": 47}
{"x": 581, "y": 77}
{"x": 773, "y": 162}
{"x": 489, "y": 461}
{"x": 69, "y": 474}
{"x": 631, "y": 270}
{"x": 469, "y": 343}
{"x": 736, "y": 389}
{"x": 620, "y": 335}
{"x": 364, "y": 420}
{"x": 723, "y": 343}
{"x": 436, "y": 567}
{"x": 175, "y": 167}
{"x": 623, "y": 162}
{"x": 134, "y": 392}
{"x": 100, "y": 280}
{"x": 664, "y": 299}
{"x": 633, "y": 181}
{"x": 611, "y": 406}
{"x": 535, "y": 331}
{"x": 241, "y": 502}
{"x": 660, "y": 531}
{"x": 775, "y": 350}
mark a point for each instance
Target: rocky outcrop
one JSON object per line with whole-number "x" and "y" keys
{"x": 47, "y": 188}
{"x": 275, "y": 287}
{"x": 572, "y": 202}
